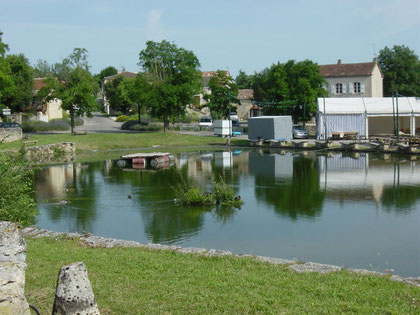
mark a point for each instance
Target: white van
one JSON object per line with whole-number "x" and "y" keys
{"x": 205, "y": 121}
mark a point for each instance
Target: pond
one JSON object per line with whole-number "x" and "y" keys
{"x": 356, "y": 210}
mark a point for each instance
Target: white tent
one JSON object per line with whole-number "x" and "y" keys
{"x": 366, "y": 115}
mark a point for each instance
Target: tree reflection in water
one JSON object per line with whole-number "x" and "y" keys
{"x": 293, "y": 197}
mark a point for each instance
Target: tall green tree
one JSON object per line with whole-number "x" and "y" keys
{"x": 19, "y": 94}
{"x": 43, "y": 68}
{"x": 290, "y": 88}
{"x": 3, "y": 46}
{"x": 5, "y": 79}
{"x": 116, "y": 95}
{"x": 174, "y": 77}
{"x": 243, "y": 80}
{"x": 401, "y": 69}
{"x": 223, "y": 95}
{"x": 74, "y": 86}
{"x": 108, "y": 71}
{"x": 139, "y": 93}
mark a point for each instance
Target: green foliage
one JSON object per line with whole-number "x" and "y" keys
{"x": 42, "y": 69}
{"x": 53, "y": 125}
{"x": 224, "y": 93}
{"x": 188, "y": 194}
{"x": 108, "y": 71}
{"x": 400, "y": 67}
{"x": 139, "y": 93}
{"x": 243, "y": 80}
{"x": 116, "y": 94}
{"x": 73, "y": 84}
{"x": 300, "y": 82}
{"x": 122, "y": 118}
{"x": 3, "y": 47}
{"x": 16, "y": 194}
{"x": 16, "y": 82}
{"x": 174, "y": 78}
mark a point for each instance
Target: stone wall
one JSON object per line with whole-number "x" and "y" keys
{"x": 57, "y": 152}
{"x": 10, "y": 134}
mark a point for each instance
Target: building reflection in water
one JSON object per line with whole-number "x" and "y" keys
{"x": 356, "y": 178}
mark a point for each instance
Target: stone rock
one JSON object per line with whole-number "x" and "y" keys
{"x": 218, "y": 253}
{"x": 98, "y": 241}
{"x": 73, "y": 294}
{"x": 275, "y": 261}
{"x": 163, "y": 247}
{"x": 12, "y": 270}
{"x": 313, "y": 267}
{"x": 191, "y": 250}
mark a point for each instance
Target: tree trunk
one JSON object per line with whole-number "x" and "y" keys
{"x": 138, "y": 110}
{"x": 72, "y": 119}
{"x": 165, "y": 124}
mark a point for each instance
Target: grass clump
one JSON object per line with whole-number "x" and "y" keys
{"x": 53, "y": 125}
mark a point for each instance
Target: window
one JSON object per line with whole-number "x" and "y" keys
{"x": 356, "y": 87}
{"x": 339, "y": 88}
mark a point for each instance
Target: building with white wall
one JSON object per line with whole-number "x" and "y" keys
{"x": 363, "y": 79}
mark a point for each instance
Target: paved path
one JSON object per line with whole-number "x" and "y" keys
{"x": 100, "y": 123}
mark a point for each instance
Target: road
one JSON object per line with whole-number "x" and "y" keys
{"x": 101, "y": 124}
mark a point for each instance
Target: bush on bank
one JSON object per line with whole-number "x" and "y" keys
{"x": 53, "y": 125}
{"x": 17, "y": 203}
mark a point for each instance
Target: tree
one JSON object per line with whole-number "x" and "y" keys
{"x": 75, "y": 86}
{"x": 243, "y": 80}
{"x": 223, "y": 94}
{"x": 290, "y": 88}
{"x": 3, "y": 47}
{"x": 42, "y": 69}
{"x": 116, "y": 95}
{"x": 174, "y": 78}
{"x": 19, "y": 94}
{"x": 108, "y": 71}
{"x": 139, "y": 92}
{"x": 401, "y": 69}
{"x": 16, "y": 193}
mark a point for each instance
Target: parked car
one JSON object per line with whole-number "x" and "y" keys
{"x": 233, "y": 116}
{"x": 205, "y": 121}
{"x": 300, "y": 132}
{"x": 235, "y": 123}
{"x": 9, "y": 125}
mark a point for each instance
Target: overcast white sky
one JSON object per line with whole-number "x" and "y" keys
{"x": 228, "y": 34}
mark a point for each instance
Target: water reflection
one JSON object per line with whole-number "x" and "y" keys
{"x": 293, "y": 203}
{"x": 289, "y": 183}
{"x": 393, "y": 184}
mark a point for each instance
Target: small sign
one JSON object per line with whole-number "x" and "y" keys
{"x": 6, "y": 111}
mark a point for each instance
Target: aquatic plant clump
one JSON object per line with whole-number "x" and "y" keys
{"x": 221, "y": 194}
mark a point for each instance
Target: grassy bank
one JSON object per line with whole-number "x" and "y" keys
{"x": 118, "y": 141}
{"x": 137, "y": 281}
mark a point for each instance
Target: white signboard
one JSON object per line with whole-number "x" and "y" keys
{"x": 6, "y": 111}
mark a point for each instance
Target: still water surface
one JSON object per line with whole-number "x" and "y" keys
{"x": 358, "y": 211}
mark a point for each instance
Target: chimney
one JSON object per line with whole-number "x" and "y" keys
{"x": 339, "y": 62}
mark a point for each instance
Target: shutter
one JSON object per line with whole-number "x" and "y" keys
{"x": 332, "y": 89}
{"x": 362, "y": 87}
{"x": 351, "y": 88}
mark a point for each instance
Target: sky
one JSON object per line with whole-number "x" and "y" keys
{"x": 231, "y": 34}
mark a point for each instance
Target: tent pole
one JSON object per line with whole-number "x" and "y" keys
{"x": 398, "y": 118}
{"x": 393, "y": 115}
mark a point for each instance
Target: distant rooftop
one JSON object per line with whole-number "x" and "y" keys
{"x": 348, "y": 69}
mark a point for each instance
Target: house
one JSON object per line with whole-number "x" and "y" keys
{"x": 46, "y": 110}
{"x": 245, "y": 109}
{"x": 199, "y": 100}
{"x": 105, "y": 102}
{"x": 353, "y": 79}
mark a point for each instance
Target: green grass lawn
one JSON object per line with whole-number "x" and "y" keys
{"x": 139, "y": 281}
{"x": 115, "y": 141}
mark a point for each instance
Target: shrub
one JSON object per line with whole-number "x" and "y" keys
{"x": 37, "y": 125}
{"x": 222, "y": 192}
{"x": 143, "y": 126}
{"x": 16, "y": 193}
{"x": 122, "y": 118}
{"x": 146, "y": 128}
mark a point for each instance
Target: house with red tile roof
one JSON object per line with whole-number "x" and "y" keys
{"x": 363, "y": 79}
{"x": 46, "y": 110}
